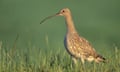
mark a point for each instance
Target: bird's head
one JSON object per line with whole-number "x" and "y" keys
{"x": 64, "y": 12}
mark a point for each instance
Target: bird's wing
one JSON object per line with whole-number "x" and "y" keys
{"x": 84, "y": 47}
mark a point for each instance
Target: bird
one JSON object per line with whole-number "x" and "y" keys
{"x": 77, "y": 46}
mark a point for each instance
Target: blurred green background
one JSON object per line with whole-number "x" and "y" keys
{"x": 96, "y": 20}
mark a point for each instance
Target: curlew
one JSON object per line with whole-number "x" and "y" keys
{"x": 77, "y": 46}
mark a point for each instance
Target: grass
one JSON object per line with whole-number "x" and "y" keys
{"x": 33, "y": 59}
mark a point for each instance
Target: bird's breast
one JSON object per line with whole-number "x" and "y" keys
{"x": 72, "y": 46}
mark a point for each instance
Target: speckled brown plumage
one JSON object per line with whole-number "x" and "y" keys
{"x": 77, "y": 46}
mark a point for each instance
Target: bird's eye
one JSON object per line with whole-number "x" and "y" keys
{"x": 63, "y": 11}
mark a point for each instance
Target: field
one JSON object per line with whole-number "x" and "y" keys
{"x": 33, "y": 59}
{"x": 40, "y": 48}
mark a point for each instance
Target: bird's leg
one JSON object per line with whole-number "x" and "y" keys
{"x": 74, "y": 62}
{"x": 82, "y": 61}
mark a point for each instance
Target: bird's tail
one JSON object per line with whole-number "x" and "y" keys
{"x": 100, "y": 58}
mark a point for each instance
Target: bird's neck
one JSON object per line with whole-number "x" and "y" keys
{"x": 70, "y": 24}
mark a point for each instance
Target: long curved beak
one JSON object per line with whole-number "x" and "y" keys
{"x": 57, "y": 14}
